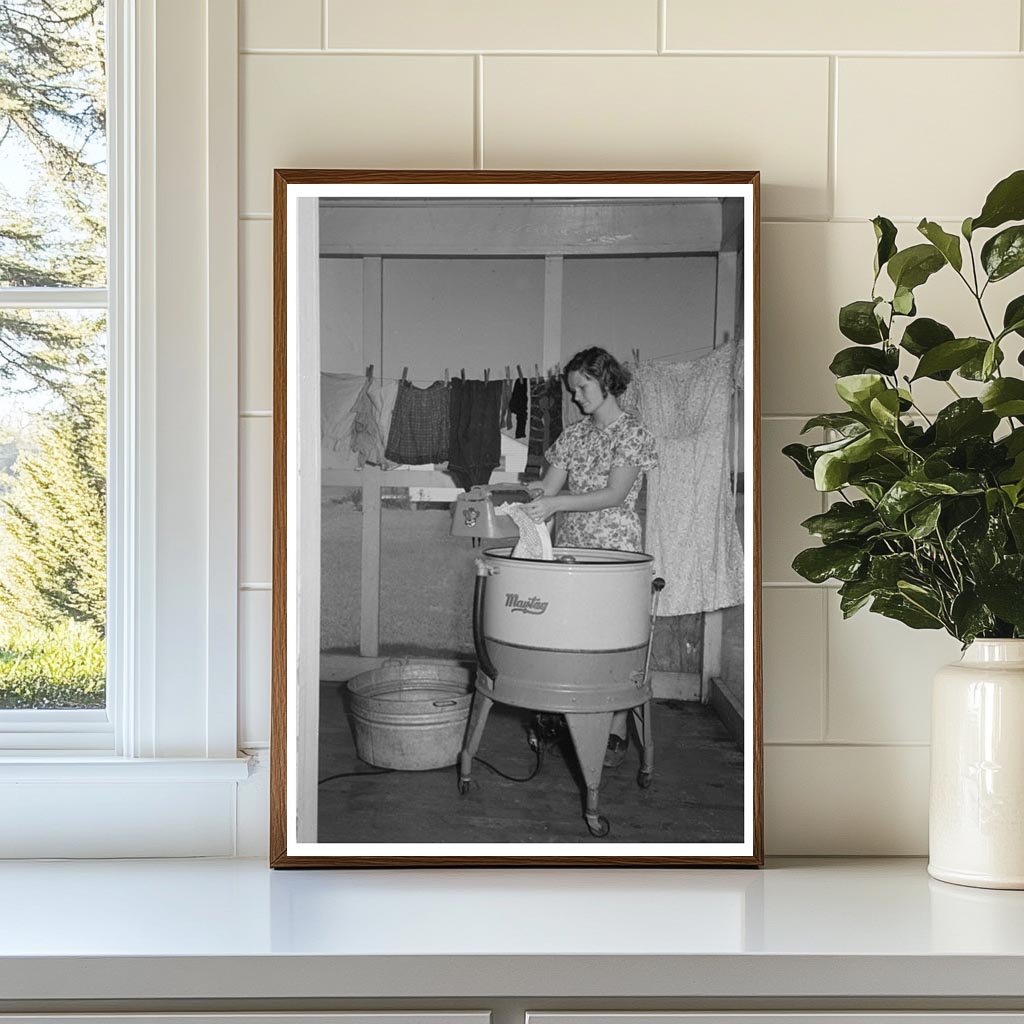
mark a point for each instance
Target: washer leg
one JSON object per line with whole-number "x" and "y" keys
{"x": 642, "y": 720}
{"x": 590, "y": 738}
{"x": 474, "y": 733}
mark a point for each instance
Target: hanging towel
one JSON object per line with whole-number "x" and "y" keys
{"x": 691, "y": 515}
{"x": 368, "y": 439}
{"x": 339, "y": 393}
{"x": 474, "y": 445}
{"x": 545, "y": 421}
{"x": 419, "y": 424}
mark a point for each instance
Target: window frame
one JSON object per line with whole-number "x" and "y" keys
{"x": 93, "y": 729}
{"x": 166, "y": 718}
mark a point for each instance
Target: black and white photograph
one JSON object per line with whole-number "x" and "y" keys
{"x": 515, "y": 489}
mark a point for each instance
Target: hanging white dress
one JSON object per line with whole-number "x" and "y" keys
{"x": 691, "y": 510}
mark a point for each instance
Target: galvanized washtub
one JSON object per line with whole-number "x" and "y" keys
{"x": 570, "y": 635}
{"x": 410, "y": 714}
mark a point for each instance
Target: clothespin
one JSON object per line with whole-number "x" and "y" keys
{"x": 636, "y": 357}
{"x": 369, "y": 372}
{"x": 508, "y": 373}
{"x": 536, "y": 370}
{"x": 462, "y": 372}
{"x": 405, "y": 373}
{"x": 487, "y": 375}
{"x": 446, "y": 375}
{"x": 519, "y": 370}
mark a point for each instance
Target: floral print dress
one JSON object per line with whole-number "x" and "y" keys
{"x": 588, "y": 454}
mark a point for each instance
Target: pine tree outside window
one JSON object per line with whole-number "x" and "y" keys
{"x": 53, "y": 367}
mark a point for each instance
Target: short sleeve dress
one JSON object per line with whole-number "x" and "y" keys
{"x": 588, "y": 454}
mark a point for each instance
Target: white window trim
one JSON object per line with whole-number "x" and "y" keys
{"x": 172, "y": 507}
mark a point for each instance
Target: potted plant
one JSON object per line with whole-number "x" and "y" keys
{"x": 927, "y": 521}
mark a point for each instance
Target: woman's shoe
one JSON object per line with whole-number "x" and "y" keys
{"x": 615, "y": 754}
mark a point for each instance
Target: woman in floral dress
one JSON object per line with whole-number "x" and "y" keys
{"x": 602, "y": 459}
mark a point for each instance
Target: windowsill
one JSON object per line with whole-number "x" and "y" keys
{"x": 817, "y": 929}
{"x": 79, "y": 766}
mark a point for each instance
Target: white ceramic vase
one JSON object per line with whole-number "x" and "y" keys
{"x": 976, "y": 811}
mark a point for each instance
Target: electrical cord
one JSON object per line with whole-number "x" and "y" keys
{"x": 538, "y": 750}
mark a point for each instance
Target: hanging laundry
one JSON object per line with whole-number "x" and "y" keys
{"x": 691, "y": 514}
{"x": 339, "y": 394}
{"x": 388, "y": 396}
{"x": 474, "y": 446}
{"x": 419, "y": 424}
{"x": 368, "y": 439}
{"x": 517, "y": 406}
{"x": 545, "y": 420}
{"x": 505, "y": 417}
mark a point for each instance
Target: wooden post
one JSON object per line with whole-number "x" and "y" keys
{"x": 369, "y": 575}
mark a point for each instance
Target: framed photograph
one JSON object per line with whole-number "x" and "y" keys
{"x": 516, "y": 560}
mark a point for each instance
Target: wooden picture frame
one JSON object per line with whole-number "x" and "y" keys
{"x": 383, "y": 279}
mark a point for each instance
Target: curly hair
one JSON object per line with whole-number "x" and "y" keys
{"x": 603, "y": 367}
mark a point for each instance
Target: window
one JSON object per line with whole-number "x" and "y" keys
{"x": 53, "y": 371}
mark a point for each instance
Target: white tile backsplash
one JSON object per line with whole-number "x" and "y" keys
{"x": 684, "y": 113}
{"x": 880, "y": 676}
{"x": 931, "y": 166}
{"x": 838, "y": 138}
{"x": 794, "y": 663}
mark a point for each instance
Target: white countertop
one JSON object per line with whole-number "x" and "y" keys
{"x": 234, "y": 928}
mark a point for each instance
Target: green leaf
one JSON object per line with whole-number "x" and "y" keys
{"x": 947, "y": 244}
{"x": 991, "y": 360}
{"x": 841, "y": 421}
{"x": 1005, "y": 202}
{"x": 887, "y": 570}
{"x": 1006, "y": 599}
{"x": 925, "y": 518}
{"x": 965, "y": 229}
{"x": 840, "y": 561}
{"x": 923, "y": 335}
{"x": 800, "y": 456}
{"x": 912, "y": 267}
{"x": 885, "y": 409}
{"x": 906, "y": 494}
{"x": 885, "y": 235}
{"x": 970, "y": 617}
{"x": 850, "y": 361}
{"x": 903, "y": 302}
{"x": 857, "y": 321}
{"x": 1004, "y": 397}
{"x": 974, "y": 368}
{"x": 858, "y": 389}
{"x": 843, "y": 521}
{"x": 855, "y": 594}
{"x": 831, "y": 471}
{"x": 1013, "y": 317}
{"x": 950, "y": 355}
{"x": 899, "y": 608}
{"x": 966, "y": 417}
{"x": 1003, "y": 254}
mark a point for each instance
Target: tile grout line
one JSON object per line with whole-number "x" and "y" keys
{"x": 825, "y": 709}
{"x": 768, "y": 55}
{"x": 662, "y": 27}
{"x": 323, "y": 24}
{"x": 832, "y": 169}
{"x": 478, "y": 111}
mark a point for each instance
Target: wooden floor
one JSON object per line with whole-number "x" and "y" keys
{"x": 696, "y": 795}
